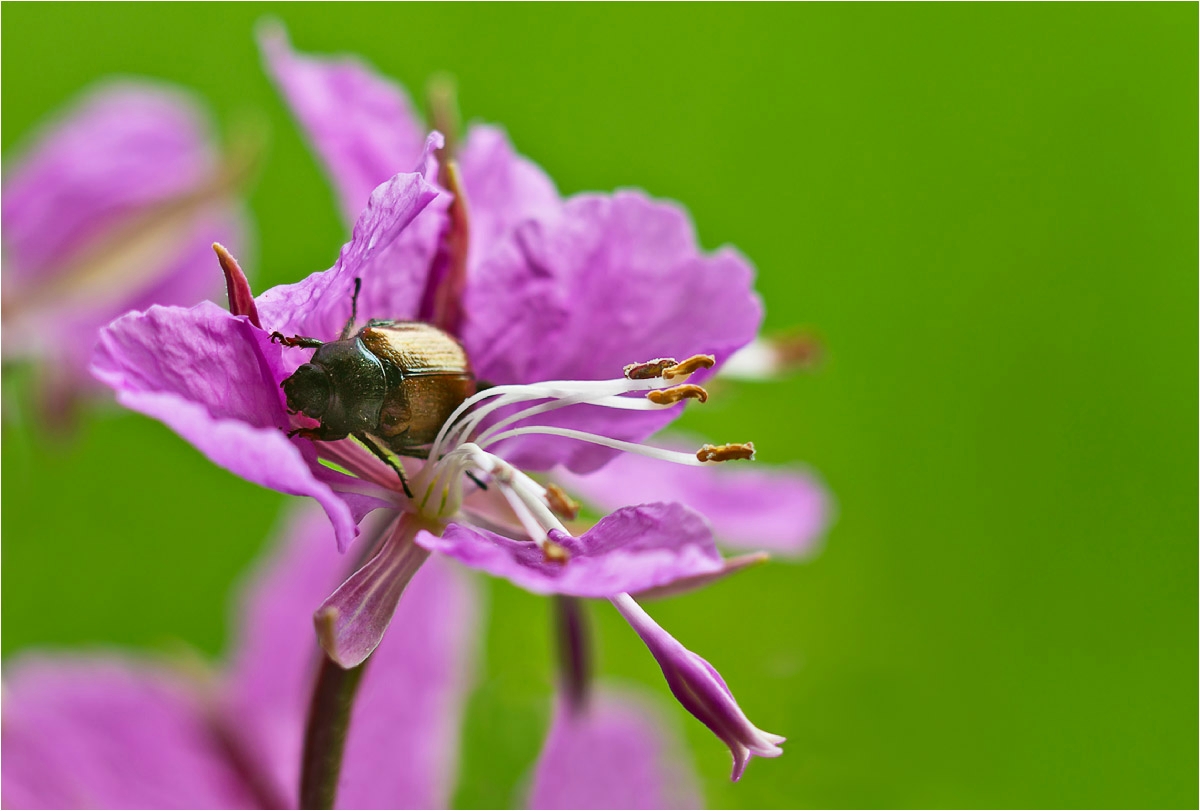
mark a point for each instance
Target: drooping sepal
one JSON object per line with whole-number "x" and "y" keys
{"x": 237, "y": 286}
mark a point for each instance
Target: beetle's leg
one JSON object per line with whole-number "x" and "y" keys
{"x": 475, "y": 479}
{"x": 374, "y": 448}
{"x": 307, "y": 433}
{"x": 349, "y": 328}
{"x": 296, "y": 340}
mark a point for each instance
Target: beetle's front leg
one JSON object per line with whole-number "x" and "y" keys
{"x": 296, "y": 340}
{"x": 308, "y": 433}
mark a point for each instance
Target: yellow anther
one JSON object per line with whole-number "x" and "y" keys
{"x": 563, "y": 505}
{"x": 650, "y": 369}
{"x": 687, "y": 367}
{"x": 725, "y": 453}
{"x": 688, "y": 391}
{"x": 555, "y": 553}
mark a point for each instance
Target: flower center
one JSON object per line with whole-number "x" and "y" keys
{"x": 465, "y": 442}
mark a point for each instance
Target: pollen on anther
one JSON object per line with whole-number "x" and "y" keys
{"x": 726, "y": 453}
{"x": 687, "y": 367}
{"x": 563, "y": 505}
{"x": 650, "y": 369}
{"x": 687, "y": 391}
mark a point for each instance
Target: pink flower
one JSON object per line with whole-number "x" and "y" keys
{"x": 118, "y": 732}
{"x": 110, "y": 207}
{"x": 363, "y": 128}
{"x": 559, "y": 304}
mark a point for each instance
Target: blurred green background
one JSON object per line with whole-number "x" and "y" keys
{"x": 989, "y": 212}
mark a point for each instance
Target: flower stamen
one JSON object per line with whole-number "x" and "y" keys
{"x": 725, "y": 453}
{"x": 563, "y": 505}
{"x": 465, "y": 440}
{"x": 650, "y": 369}
{"x": 687, "y": 391}
{"x": 693, "y": 364}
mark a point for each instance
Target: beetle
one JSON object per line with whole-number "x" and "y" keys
{"x": 392, "y": 383}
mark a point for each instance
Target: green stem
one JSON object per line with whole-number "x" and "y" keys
{"x": 325, "y": 736}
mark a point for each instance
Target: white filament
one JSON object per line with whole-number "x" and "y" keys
{"x": 453, "y": 453}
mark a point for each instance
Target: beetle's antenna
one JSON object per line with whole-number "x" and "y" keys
{"x": 349, "y": 328}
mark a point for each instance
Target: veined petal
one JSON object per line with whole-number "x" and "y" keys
{"x": 202, "y": 355}
{"x": 618, "y": 753}
{"x": 100, "y": 733}
{"x": 352, "y": 621}
{"x": 360, "y": 124}
{"x": 633, "y": 549}
{"x": 785, "y": 510}
{"x": 212, "y": 377}
{"x": 503, "y": 188}
{"x": 319, "y": 306}
{"x": 402, "y": 751}
{"x": 610, "y": 280}
{"x": 729, "y": 566}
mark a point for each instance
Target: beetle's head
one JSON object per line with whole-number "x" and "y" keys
{"x": 308, "y": 391}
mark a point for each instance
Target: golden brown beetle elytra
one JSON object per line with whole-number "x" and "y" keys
{"x": 393, "y": 383}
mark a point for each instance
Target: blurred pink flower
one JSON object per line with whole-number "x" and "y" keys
{"x": 617, "y": 753}
{"x": 111, "y": 732}
{"x": 110, "y": 207}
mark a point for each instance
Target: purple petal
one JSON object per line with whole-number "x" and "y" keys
{"x": 213, "y": 378}
{"x": 750, "y": 506}
{"x": 620, "y": 753}
{"x": 403, "y": 745}
{"x": 611, "y": 280}
{"x": 685, "y": 585}
{"x": 319, "y": 306}
{"x": 95, "y": 733}
{"x": 352, "y": 621}
{"x": 203, "y": 355}
{"x": 120, "y": 148}
{"x": 634, "y": 549}
{"x": 503, "y": 188}
{"x": 360, "y": 124}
